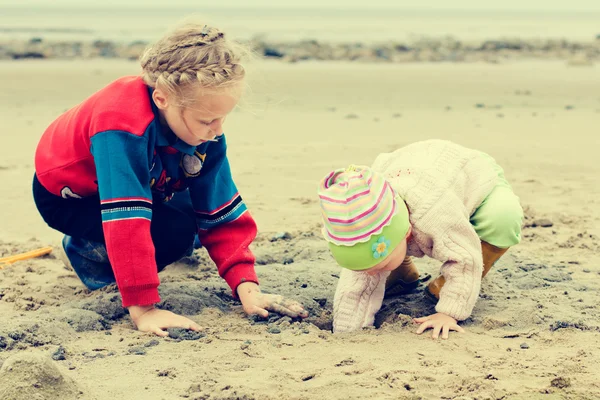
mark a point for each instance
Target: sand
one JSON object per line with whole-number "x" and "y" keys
{"x": 535, "y": 330}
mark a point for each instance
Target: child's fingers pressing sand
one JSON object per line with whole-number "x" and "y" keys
{"x": 256, "y": 302}
{"x": 155, "y": 320}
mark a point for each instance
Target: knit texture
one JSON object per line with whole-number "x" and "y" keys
{"x": 442, "y": 184}
{"x": 356, "y": 204}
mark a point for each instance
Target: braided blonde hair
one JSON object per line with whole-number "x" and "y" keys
{"x": 193, "y": 55}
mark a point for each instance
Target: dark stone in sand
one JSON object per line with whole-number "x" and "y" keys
{"x": 543, "y": 222}
{"x": 152, "y": 343}
{"x": 575, "y": 325}
{"x": 138, "y": 351}
{"x": 59, "y": 354}
{"x": 274, "y": 330}
{"x": 479, "y": 105}
{"x": 531, "y": 267}
{"x": 281, "y": 236}
{"x": 85, "y": 320}
{"x": 273, "y": 317}
{"x": 28, "y": 55}
{"x": 560, "y": 382}
{"x": 569, "y": 107}
{"x": 272, "y": 52}
{"x": 524, "y": 346}
{"x": 3, "y": 343}
{"x": 288, "y": 260}
{"x": 265, "y": 259}
{"x": 184, "y": 334}
{"x": 351, "y": 116}
{"x": 321, "y": 301}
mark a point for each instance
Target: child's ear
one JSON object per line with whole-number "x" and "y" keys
{"x": 160, "y": 99}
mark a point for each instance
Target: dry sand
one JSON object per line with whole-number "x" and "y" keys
{"x": 535, "y": 332}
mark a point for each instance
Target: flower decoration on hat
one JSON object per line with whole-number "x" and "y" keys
{"x": 380, "y": 247}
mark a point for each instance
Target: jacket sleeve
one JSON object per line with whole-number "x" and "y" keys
{"x": 357, "y": 299}
{"x": 225, "y": 227}
{"x": 457, "y": 246}
{"x": 122, "y": 169}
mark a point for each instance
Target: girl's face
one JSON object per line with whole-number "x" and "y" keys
{"x": 200, "y": 121}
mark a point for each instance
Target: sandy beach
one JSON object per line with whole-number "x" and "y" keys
{"x": 535, "y": 332}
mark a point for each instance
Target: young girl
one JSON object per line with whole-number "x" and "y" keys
{"x": 135, "y": 171}
{"x": 432, "y": 198}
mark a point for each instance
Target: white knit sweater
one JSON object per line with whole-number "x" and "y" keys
{"x": 442, "y": 183}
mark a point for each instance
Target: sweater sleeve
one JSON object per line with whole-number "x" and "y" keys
{"x": 357, "y": 299}
{"x": 122, "y": 169}
{"x": 457, "y": 245}
{"x": 225, "y": 227}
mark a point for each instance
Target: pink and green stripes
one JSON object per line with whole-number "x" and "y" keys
{"x": 364, "y": 218}
{"x": 356, "y": 203}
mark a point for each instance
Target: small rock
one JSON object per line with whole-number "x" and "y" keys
{"x": 59, "y": 354}
{"x": 273, "y": 330}
{"x": 245, "y": 345}
{"x": 184, "y": 334}
{"x": 288, "y": 260}
{"x": 166, "y": 373}
{"x": 560, "y": 382}
{"x": 304, "y": 286}
{"x": 321, "y": 301}
{"x": 500, "y": 115}
{"x": 569, "y": 107}
{"x": 543, "y": 222}
{"x": 397, "y": 115}
{"x": 351, "y": 116}
{"x": 284, "y": 321}
{"x": 479, "y": 105}
{"x": 152, "y": 343}
{"x": 587, "y": 271}
{"x": 524, "y": 346}
{"x": 138, "y": 351}
{"x": 281, "y": 236}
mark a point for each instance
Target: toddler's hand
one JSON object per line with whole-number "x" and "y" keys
{"x": 150, "y": 319}
{"x": 255, "y": 302}
{"x": 437, "y": 322}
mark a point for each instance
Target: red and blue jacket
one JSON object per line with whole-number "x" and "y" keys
{"x": 113, "y": 145}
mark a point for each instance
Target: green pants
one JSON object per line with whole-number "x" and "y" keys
{"x": 499, "y": 218}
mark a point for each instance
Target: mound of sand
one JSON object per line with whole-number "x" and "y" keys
{"x": 30, "y": 376}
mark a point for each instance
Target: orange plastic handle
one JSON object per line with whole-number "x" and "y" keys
{"x": 25, "y": 256}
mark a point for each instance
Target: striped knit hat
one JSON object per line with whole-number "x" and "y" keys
{"x": 364, "y": 219}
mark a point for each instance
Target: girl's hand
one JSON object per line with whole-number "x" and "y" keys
{"x": 150, "y": 319}
{"x": 437, "y": 322}
{"x": 255, "y": 302}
